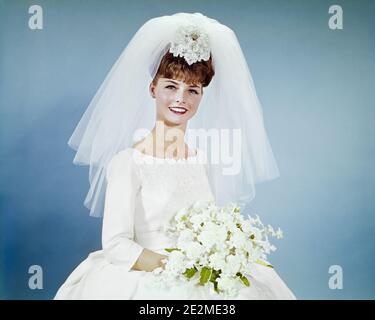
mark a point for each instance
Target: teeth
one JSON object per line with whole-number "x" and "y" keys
{"x": 178, "y": 109}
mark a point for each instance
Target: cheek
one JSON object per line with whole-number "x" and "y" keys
{"x": 195, "y": 101}
{"x": 164, "y": 97}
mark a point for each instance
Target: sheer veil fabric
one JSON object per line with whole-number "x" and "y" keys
{"x": 122, "y": 106}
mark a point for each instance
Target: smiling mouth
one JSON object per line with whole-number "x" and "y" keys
{"x": 178, "y": 110}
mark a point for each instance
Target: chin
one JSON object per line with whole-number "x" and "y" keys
{"x": 173, "y": 120}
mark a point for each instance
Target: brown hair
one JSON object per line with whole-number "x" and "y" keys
{"x": 200, "y": 72}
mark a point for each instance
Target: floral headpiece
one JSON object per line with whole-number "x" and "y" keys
{"x": 191, "y": 42}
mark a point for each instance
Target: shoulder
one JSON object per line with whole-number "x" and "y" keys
{"x": 139, "y": 145}
{"x": 121, "y": 157}
{"x": 123, "y": 162}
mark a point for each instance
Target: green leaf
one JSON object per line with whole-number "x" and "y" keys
{"x": 264, "y": 263}
{"x": 245, "y": 281}
{"x": 171, "y": 249}
{"x": 214, "y": 275}
{"x": 205, "y": 275}
{"x": 189, "y": 273}
{"x": 216, "y": 288}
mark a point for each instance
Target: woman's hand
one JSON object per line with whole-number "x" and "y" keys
{"x": 149, "y": 260}
{"x": 161, "y": 263}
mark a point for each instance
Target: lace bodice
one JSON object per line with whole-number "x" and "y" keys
{"x": 143, "y": 193}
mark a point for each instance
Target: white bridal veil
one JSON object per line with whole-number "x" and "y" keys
{"x": 123, "y": 104}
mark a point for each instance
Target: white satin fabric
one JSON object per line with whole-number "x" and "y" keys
{"x": 143, "y": 193}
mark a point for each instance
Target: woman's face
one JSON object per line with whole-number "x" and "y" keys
{"x": 176, "y": 101}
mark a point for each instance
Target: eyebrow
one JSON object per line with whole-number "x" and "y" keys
{"x": 191, "y": 86}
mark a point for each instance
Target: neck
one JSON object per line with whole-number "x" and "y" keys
{"x": 169, "y": 139}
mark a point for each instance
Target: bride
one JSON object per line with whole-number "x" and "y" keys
{"x": 177, "y": 70}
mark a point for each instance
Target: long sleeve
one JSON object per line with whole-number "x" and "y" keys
{"x": 123, "y": 184}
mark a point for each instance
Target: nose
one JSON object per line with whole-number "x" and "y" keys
{"x": 180, "y": 97}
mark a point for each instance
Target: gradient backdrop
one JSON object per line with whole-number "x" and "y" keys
{"x": 316, "y": 87}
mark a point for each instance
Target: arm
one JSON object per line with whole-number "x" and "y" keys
{"x": 123, "y": 184}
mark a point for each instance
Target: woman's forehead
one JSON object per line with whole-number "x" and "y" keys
{"x": 180, "y": 81}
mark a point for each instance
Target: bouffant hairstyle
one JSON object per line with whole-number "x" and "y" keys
{"x": 172, "y": 67}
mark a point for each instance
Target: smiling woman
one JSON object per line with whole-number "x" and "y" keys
{"x": 141, "y": 196}
{"x": 177, "y": 88}
{"x": 176, "y": 96}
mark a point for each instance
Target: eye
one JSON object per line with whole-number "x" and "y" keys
{"x": 170, "y": 86}
{"x": 193, "y": 91}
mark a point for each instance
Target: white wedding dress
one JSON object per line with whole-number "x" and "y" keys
{"x": 143, "y": 193}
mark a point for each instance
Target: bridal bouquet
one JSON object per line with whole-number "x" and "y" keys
{"x": 216, "y": 247}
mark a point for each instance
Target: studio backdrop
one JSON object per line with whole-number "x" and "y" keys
{"x": 313, "y": 66}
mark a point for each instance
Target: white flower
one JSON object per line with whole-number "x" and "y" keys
{"x": 158, "y": 270}
{"x": 192, "y": 43}
{"x": 228, "y": 285}
{"x": 256, "y": 221}
{"x": 233, "y": 264}
{"x": 198, "y": 219}
{"x": 224, "y": 217}
{"x": 270, "y": 230}
{"x": 186, "y": 235}
{"x": 255, "y": 255}
{"x": 246, "y": 226}
{"x": 212, "y": 234}
{"x": 181, "y": 214}
{"x": 239, "y": 240}
{"x": 256, "y": 233}
{"x": 175, "y": 263}
{"x": 217, "y": 261}
{"x": 223, "y": 246}
{"x": 180, "y": 225}
{"x": 194, "y": 250}
{"x": 279, "y": 233}
{"x": 249, "y": 247}
{"x": 219, "y": 238}
{"x": 203, "y": 260}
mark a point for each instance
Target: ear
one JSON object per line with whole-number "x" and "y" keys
{"x": 152, "y": 90}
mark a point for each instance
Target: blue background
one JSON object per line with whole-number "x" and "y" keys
{"x": 316, "y": 87}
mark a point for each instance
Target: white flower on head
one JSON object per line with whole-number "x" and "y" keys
{"x": 191, "y": 42}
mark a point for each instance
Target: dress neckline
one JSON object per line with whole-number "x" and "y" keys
{"x": 174, "y": 160}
